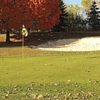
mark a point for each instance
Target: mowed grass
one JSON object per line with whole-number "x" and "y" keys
{"x": 48, "y": 74}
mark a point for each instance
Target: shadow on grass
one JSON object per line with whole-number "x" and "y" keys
{"x": 94, "y": 57}
{"x": 37, "y": 38}
{"x": 32, "y": 39}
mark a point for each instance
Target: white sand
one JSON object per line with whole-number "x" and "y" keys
{"x": 81, "y": 44}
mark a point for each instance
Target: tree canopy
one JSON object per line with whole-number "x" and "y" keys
{"x": 94, "y": 17}
{"x": 87, "y": 4}
{"x": 45, "y": 14}
{"x": 62, "y": 18}
{"x": 75, "y": 16}
{"x": 39, "y": 14}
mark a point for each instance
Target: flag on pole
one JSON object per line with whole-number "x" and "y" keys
{"x": 24, "y": 31}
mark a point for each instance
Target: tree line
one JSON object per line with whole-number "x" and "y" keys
{"x": 48, "y": 15}
{"x": 76, "y": 18}
{"x": 33, "y": 14}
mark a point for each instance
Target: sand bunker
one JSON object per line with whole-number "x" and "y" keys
{"x": 81, "y": 44}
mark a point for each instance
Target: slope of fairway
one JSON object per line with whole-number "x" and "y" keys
{"x": 44, "y": 69}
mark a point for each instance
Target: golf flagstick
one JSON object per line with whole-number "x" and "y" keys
{"x": 22, "y": 49}
{"x": 24, "y": 33}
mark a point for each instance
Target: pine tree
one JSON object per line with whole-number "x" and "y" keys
{"x": 62, "y": 24}
{"x": 94, "y": 17}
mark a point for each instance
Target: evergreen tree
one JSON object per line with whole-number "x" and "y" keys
{"x": 94, "y": 17}
{"x": 62, "y": 24}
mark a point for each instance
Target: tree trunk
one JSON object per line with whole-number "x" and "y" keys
{"x": 8, "y": 36}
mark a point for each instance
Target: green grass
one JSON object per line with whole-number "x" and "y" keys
{"x": 77, "y": 68}
{"x": 51, "y": 91}
{"x": 49, "y": 73}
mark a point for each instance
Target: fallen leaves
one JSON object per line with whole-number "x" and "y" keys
{"x": 15, "y": 86}
{"x": 40, "y": 97}
{"x": 33, "y": 96}
{"x": 69, "y": 80}
{"x": 9, "y": 92}
{"x": 53, "y": 91}
{"x": 87, "y": 71}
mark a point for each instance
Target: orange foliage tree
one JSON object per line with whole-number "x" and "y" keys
{"x": 37, "y": 14}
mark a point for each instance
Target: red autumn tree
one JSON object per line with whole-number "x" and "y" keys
{"x": 46, "y": 13}
{"x": 14, "y": 13}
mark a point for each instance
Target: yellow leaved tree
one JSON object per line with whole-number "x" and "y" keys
{"x": 87, "y": 4}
